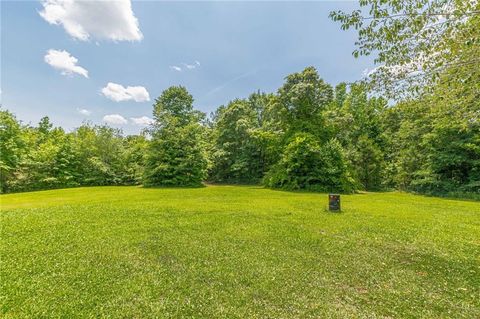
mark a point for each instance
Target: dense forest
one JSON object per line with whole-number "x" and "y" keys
{"x": 413, "y": 124}
{"x": 309, "y": 135}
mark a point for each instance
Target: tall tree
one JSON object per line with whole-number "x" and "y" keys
{"x": 11, "y": 148}
{"x": 415, "y": 40}
{"x": 241, "y": 141}
{"x": 309, "y": 159}
{"x": 175, "y": 156}
{"x": 301, "y": 100}
{"x": 357, "y": 125}
{"x": 100, "y": 150}
{"x": 436, "y": 144}
{"x": 134, "y": 148}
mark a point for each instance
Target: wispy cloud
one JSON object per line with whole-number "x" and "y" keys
{"x": 192, "y": 66}
{"x": 176, "y": 68}
{"x": 84, "y": 111}
{"x": 222, "y": 86}
{"x": 186, "y": 66}
{"x": 189, "y": 66}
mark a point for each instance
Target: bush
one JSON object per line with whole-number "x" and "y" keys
{"x": 305, "y": 164}
{"x": 176, "y": 158}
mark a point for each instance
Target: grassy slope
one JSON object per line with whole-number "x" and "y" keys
{"x": 237, "y": 252}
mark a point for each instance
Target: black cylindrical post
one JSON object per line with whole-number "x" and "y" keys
{"x": 334, "y": 202}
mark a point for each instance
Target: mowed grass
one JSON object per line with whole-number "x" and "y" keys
{"x": 237, "y": 252}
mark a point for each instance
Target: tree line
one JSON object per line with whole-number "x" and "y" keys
{"x": 412, "y": 124}
{"x": 308, "y": 135}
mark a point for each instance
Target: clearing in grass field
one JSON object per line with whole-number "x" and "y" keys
{"x": 237, "y": 252}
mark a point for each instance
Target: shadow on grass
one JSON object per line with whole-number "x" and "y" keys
{"x": 234, "y": 183}
{"x": 449, "y": 197}
{"x": 437, "y": 267}
{"x": 173, "y": 186}
{"x": 309, "y": 191}
{"x": 465, "y": 197}
{"x": 457, "y": 197}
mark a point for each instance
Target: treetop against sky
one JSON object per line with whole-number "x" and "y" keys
{"x": 105, "y": 61}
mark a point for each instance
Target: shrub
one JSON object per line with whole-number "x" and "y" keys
{"x": 305, "y": 164}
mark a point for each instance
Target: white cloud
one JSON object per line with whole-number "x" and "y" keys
{"x": 186, "y": 66}
{"x": 176, "y": 68}
{"x": 142, "y": 121}
{"x": 84, "y": 111}
{"x": 111, "y": 20}
{"x": 115, "y": 119}
{"x": 65, "y": 62}
{"x": 190, "y": 66}
{"x": 118, "y": 93}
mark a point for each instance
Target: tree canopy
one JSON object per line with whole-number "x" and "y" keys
{"x": 413, "y": 122}
{"x": 308, "y": 135}
{"x": 415, "y": 41}
{"x": 175, "y": 156}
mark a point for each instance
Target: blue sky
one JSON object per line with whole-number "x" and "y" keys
{"x": 232, "y": 49}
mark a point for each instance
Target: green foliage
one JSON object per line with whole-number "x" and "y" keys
{"x": 355, "y": 120}
{"x": 307, "y": 136}
{"x": 175, "y": 155}
{"x": 175, "y": 104}
{"x": 309, "y": 158}
{"x": 100, "y": 149}
{"x": 367, "y": 158}
{"x": 434, "y": 141}
{"x": 241, "y": 142}
{"x": 301, "y": 101}
{"x": 305, "y": 164}
{"x": 11, "y": 148}
{"x": 427, "y": 55}
{"x": 45, "y": 157}
{"x": 134, "y": 146}
{"x": 415, "y": 41}
{"x": 41, "y": 165}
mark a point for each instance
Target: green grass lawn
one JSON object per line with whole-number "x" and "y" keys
{"x": 237, "y": 252}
